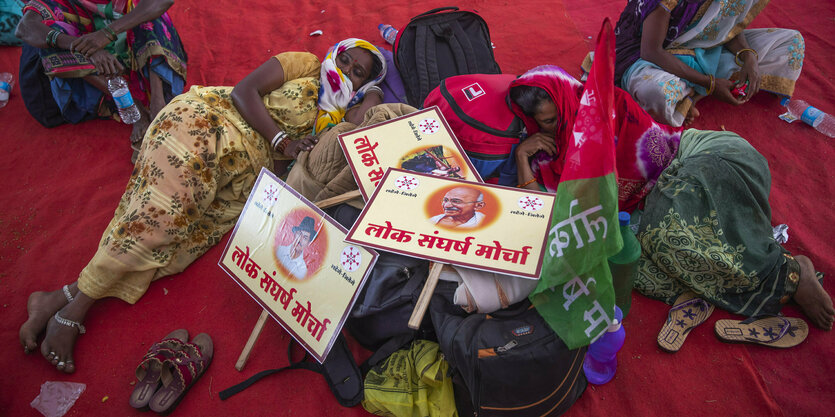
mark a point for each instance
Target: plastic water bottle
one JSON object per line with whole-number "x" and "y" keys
{"x": 601, "y": 358}
{"x": 118, "y": 88}
{"x": 624, "y": 264}
{"x": 6, "y": 84}
{"x": 812, "y": 116}
{"x": 388, "y": 32}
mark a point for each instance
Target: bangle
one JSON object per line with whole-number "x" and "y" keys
{"x": 52, "y": 38}
{"x": 110, "y": 33}
{"x": 278, "y": 139}
{"x": 532, "y": 180}
{"x": 739, "y": 52}
{"x": 712, "y": 85}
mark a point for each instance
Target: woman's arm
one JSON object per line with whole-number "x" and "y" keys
{"x": 356, "y": 114}
{"x": 145, "y": 11}
{"x": 750, "y": 67}
{"x": 247, "y": 96}
{"x": 527, "y": 148}
{"x": 33, "y": 31}
{"x": 652, "y": 49}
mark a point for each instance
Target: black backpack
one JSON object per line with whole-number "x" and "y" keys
{"x": 383, "y": 307}
{"x": 441, "y": 43}
{"x": 507, "y": 363}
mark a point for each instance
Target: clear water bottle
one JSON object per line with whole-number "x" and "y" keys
{"x": 601, "y": 358}
{"x": 6, "y": 84}
{"x": 118, "y": 88}
{"x": 624, "y": 264}
{"x": 388, "y": 32}
{"x": 812, "y": 116}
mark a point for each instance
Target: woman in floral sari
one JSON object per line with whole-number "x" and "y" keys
{"x": 198, "y": 163}
{"x": 82, "y": 42}
{"x": 671, "y": 53}
{"x": 693, "y": 234}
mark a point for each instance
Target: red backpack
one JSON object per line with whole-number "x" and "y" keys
{"x": 476, "y": 108}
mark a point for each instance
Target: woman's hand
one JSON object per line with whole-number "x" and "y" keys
{"x": 106, "y": 64}
{"x": 535, "y": 143}
{"x": 750, "y": 72}
{"x": 295, "y": 147}
{"x": 722, "y": 91}
{"x": 90, "y": 43}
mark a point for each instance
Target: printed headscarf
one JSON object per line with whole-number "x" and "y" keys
{"x": 336, "y": 93}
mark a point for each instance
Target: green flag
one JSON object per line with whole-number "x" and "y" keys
{"x": 575, "y": 294}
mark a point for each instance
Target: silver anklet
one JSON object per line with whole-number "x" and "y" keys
{"x": 67, "y": 294}
{"x": 70, "y": 323}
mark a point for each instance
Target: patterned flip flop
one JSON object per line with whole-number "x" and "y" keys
{"x": 688, "y": 312}
{"x": 772, "y": 331}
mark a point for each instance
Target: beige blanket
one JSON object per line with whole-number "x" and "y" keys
{"x": 324, "y": 172}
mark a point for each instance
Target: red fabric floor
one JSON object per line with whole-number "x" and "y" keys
{"x": 59, "y": 187}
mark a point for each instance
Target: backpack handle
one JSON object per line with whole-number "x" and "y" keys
{"x": 436, "y": 10}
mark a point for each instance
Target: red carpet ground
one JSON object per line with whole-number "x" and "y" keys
{"x": 59, "y": 187}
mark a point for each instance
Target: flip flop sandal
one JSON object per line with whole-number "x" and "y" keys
{"x": 187, "y": 366}
{"x": 688, "y": 312}
{"x": 150, "y": 369}
{"x": 772, "y": 331}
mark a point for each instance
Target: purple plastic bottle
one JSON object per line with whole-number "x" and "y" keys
{"x": 601, "y": 358}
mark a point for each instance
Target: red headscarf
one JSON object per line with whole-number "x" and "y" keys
{"x": 643, "y": 147}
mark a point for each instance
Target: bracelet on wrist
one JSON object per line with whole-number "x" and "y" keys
{"x": 526, "y": 183}
{"x": 278, "y": 139}
{"x": 739, "y": 52}
{"x": 109, "y": 33}
{"x": 712, "y": 85}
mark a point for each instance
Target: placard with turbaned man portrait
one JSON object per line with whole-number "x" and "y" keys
{"x": 465, "y": 223}
{"x": 420, "y": 142}
{"x": 292, "y": 258}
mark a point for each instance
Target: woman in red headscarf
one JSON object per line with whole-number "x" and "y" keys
{"x": 547, "y": 99}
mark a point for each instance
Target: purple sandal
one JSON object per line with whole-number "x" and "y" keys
{"x": 182, "y": 371}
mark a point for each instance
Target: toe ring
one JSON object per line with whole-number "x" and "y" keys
{"x": 62, "y": 363}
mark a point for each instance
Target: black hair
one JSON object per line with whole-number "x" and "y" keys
{"x": 376, "y": 67}
{"x": 529, "y": 98}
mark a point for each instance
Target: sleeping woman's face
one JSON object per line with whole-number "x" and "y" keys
{"x": 547, "y": 117}
{"x": 356, "y": 64}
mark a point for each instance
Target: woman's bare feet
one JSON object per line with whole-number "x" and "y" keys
{"x": 812, "y": 298}
{"x": 140, "y": 127}
{"x": 61, "y": 335}
{"x": 692, "y": 114}
{"x": 41, "y": 307}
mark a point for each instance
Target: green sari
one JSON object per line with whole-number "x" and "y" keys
{"x": 707, "y": 228}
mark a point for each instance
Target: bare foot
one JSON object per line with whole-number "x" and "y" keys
{"x": 812, "y": 298}
{"x": 59, "y": 342}
{"x": 41, "y": 307}
{"x": 692, "y": 114}
{"x": 139, "y": 128}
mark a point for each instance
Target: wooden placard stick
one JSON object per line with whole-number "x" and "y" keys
{"x": 425, "y": 295}
{"x": 259, "y": 325}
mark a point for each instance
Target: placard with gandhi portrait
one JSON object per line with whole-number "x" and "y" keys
{"x": 292, "y": 258}
{"x": 421, "y": 142}
{"x": 459, "y": 222}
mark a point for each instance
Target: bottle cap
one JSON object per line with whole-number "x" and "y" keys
{"x": 623, "y": 218}
{"x": 784, "y": 101}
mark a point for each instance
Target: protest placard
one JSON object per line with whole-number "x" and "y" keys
{"x": 293, "y": 260}
{"x": 464, "y": 223}
{"x": 421, "y": 142}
